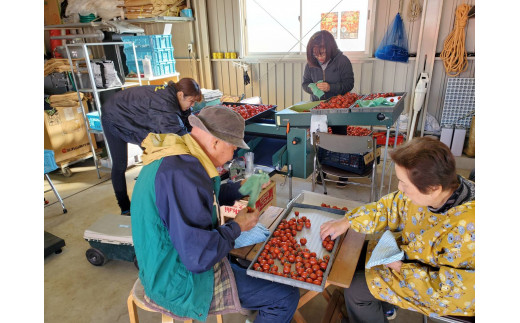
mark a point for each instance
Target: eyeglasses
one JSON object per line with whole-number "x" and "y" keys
{"x": 320, "y": 54}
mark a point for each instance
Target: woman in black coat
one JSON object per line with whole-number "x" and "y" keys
{"x": 325, "y": 62}
{"x": 130, "y": 115}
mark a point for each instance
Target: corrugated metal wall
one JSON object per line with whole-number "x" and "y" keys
{"x": 278, "y": 81}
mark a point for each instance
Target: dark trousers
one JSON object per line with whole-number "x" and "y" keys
{"x": 362, "y": 306}
{"x": 119, "y": 153}
{"x": 275, "y": 302}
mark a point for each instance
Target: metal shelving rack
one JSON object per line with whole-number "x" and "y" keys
{"x": 94, "y": 90}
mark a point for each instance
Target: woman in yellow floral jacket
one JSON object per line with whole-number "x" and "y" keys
{"x": 434, "y": 212}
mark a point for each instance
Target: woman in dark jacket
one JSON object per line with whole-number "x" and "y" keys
{"x": 130, "y": 115}
{"x": 325, "y": 62}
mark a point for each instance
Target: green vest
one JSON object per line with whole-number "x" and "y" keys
{"x": 165, "y": 279}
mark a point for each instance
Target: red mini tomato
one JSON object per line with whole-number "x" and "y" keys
{"x": 308, "y": 224}
{"x": 303, "y": 241}
{"x": 323, "y": 265}
{"x": 296, "y": 213}
{"x": 329, "y": 247}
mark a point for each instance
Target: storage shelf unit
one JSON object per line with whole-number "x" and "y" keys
{"x": 103, "y": 24}
{"x": 94, "y": 90}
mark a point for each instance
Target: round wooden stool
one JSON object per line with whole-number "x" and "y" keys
{"x": 137, "y": 299}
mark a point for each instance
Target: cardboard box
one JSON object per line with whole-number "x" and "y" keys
{"x": 65, "y": 133}
{"x": 51, "y": 12}
{"x": 266, "y": 198}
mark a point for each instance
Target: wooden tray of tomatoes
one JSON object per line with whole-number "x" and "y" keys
{"x": 337, "y": 104}
{"x": 294, "y": 253}
{"x": 251, "y": 112}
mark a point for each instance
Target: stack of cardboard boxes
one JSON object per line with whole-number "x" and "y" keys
{"x": 65, "y": 130}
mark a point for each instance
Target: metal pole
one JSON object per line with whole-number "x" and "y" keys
{"x": 289, "y": 174}
{"x": 384, "y": 162}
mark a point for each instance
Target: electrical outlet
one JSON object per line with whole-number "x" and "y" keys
{"x": 190, "y": 47}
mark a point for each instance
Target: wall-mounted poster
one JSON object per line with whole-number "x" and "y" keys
{"x": 330, "y": 22}
{"x": 349, "y": 25}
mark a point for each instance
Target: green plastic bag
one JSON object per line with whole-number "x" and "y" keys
{"x": 377, "y": 102}
{"x": 314, "y": 88}
{"x": 253, "y": 187}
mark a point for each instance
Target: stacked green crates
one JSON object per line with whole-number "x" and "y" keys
{"x": 158, "y": 48}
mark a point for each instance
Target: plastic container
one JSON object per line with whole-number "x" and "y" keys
{"x": 355, "y": 163}
{"x": 147, "y": 67}
{"x": 49, "y": 164}
{"x": 158, "y": 48}
{"x": 94, "y": 120}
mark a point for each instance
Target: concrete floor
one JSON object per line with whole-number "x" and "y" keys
{"x": 76, "y": 291}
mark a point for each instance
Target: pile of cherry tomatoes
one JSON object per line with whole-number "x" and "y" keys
{"x": 358, "y": 131}
{"x": 355, "y": 131}
{"x": 334, "y": 207}
{"x": 249, "y": 110}
{"x": 373, "y": 96}
{"x": 339, "y": 101}
{"x": 297, "y": 262}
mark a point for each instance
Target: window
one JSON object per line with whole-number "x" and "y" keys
{"x": 275, "y": 27}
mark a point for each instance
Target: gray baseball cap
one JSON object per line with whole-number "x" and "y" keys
{"x": 221, "y": 122}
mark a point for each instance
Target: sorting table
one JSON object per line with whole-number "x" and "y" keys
{"x": 342, "y": 270}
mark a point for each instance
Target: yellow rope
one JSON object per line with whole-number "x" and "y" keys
{"x": 454, "y": 53}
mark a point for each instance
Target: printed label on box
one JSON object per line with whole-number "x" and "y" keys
{"x": 368, "y": 157}
{"x": 69, "y": 114}
{"x": 264, "y": 200}
{"x": 232, "y": 211}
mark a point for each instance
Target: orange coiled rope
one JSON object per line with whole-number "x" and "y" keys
{"x": 454, "y": 53}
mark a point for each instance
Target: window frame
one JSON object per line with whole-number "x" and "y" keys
{"x": 301, "y": 54}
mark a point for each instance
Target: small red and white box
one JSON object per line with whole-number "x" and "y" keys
{"x": 266, "y": 198}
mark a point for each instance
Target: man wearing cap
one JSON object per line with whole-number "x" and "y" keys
{"x": 180, "y": 247}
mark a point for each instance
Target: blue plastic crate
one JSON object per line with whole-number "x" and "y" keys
{"x": 157, "y": 56}
{"x": 199, "y": 105}
{"x": 158, "y": 69}
{"x": 151, "y": 41}
{"x": 49, "y": 163}
{"x": 94, "y": 120}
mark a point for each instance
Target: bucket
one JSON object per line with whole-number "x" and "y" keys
{"x": 87, "y": 18}
{"x": 186, "y": 13}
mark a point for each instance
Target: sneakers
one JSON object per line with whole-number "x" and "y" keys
{"x": 391, "y": 314}
{"x": 127, "y": 212}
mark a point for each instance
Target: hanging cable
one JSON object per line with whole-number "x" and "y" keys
{"x": 454, "y": 53}
{"x": 414, "y": 10}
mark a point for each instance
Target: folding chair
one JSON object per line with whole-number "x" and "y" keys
{"x": 49, "y": 166}
{"x": 344, "y": 156}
